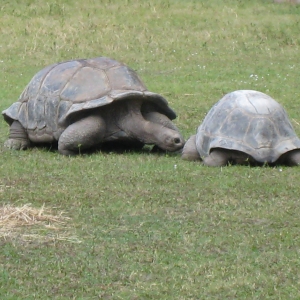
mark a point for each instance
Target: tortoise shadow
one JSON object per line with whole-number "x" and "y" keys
{"x": 113, "y": 147}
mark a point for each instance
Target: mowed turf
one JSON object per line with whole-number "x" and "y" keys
{"x": 148, "y": 225}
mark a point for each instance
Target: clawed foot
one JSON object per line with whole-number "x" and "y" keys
{"x": 16, "y": 144}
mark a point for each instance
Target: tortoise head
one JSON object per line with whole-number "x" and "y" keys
{"x": 169, "y": 139}
{"x": 156, "y": 128}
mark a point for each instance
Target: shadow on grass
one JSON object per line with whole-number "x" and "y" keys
{"x": 112, "y": 147}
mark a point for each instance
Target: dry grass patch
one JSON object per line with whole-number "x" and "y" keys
{"x": 27, "y": 222}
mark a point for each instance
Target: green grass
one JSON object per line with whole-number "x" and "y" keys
{"x": 152, "y": 226}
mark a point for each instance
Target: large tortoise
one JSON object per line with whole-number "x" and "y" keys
{"x": 244, "y": 127}
{"x": 87, "y": 102}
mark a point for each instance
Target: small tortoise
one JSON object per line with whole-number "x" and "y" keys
{"x": 89, "y": 102}
{"x": 244, "y": 127}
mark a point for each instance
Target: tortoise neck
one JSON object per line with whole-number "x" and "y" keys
{"x": 135, "y": 125}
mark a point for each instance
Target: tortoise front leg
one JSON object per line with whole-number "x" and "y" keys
{"x": 18, "y": 137}
{"x": 82, "y": 135}
{"x": 190, "y": 151}
{"x": 217, "y": 158}
{"x": 221, "y": 157}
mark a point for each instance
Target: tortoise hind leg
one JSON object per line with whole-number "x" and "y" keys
{"x": 18, "y": 137}
{"x": 291, "y": 158}
{"x": 82, "y": 135}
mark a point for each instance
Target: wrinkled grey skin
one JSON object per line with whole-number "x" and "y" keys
{"x": 85, "y": 103}
{"x": 244, "y": 127}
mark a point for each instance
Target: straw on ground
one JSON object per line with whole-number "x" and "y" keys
{"x": 14, "y": 219}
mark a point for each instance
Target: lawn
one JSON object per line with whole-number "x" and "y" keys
{"x": 150, "y": 225}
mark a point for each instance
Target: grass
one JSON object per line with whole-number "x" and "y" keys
{"x": 142, "y": 225}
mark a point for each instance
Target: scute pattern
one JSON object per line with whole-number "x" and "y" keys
{"x": 87, "y": 84}
{"x": 247, "y": 121}
{"x": 57, "y": 77}
{"x": 123, "y": 78}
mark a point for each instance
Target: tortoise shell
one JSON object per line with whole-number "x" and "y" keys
{"x": 247, "y": 121}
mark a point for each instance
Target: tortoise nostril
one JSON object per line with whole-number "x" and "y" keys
{"x": 177, "y": 140}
